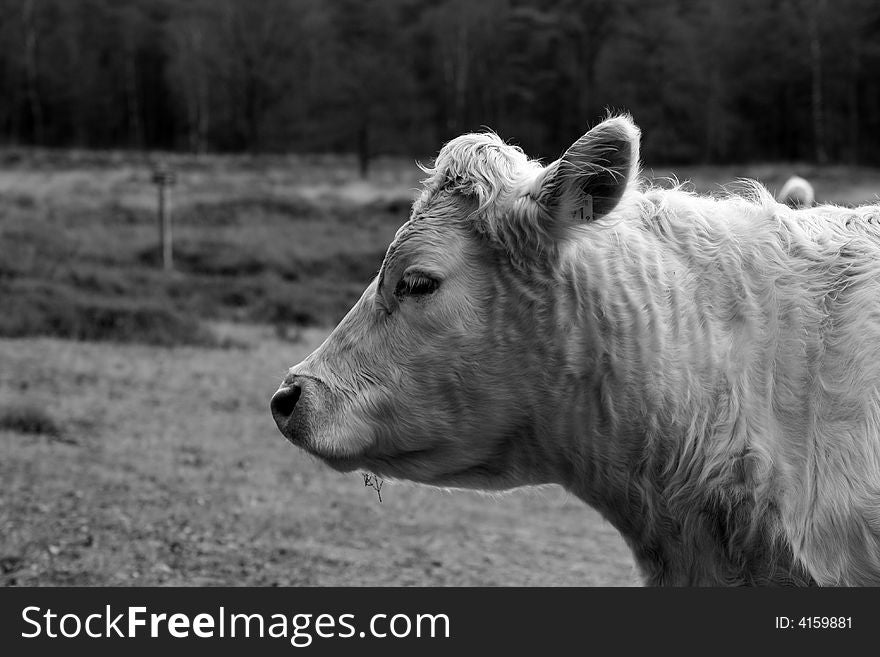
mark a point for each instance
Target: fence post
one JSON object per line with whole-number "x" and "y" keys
{"x": 164, "y": 179}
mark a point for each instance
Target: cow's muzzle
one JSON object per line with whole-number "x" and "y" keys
{"x": 293, "y": 405}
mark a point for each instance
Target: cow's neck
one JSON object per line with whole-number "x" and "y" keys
{"x": 641, "y": 395}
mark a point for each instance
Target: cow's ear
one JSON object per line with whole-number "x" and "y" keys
{"x": 589, "y": 180}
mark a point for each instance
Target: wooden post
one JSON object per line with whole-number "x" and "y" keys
{"x": 164, "y": 178}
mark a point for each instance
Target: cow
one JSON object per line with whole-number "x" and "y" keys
{"x": 797, "y": 193}
{"x": 702, "y": 370}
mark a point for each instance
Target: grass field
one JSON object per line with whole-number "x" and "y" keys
{"x": 136, "y": 446}
{"x": 166, "y": 468}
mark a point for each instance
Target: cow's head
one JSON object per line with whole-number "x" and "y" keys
{"x": 443, "y": 371}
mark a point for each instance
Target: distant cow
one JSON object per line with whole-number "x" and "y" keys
{"x": 704, "y": 371}
{"x": 797, "y": 193}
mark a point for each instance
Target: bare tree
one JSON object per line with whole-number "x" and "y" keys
{"x": 190, "y": 71}
{"x": 816, "y": 10}
{"x": 31, "y": 43}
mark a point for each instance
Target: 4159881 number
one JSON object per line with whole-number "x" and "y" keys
{"x": 814, "y": 622}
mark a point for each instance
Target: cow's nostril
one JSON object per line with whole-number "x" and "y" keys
{"x": 284, "y": 401}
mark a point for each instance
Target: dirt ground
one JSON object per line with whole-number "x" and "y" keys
{"x": 162, "y": 466}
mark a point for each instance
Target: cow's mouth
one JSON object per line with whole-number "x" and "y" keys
{"x": 308, "y": 416}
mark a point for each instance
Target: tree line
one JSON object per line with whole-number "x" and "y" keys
{"x": 707, "y": 80}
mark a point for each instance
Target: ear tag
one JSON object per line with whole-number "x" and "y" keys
{"x": 585, "y": 212}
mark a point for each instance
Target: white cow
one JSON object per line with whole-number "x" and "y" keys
{"x": 703, "y": 371}
{"x": 797, "y": 193}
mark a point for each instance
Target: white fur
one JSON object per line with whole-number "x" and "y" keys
{"x": 705, "y": 371}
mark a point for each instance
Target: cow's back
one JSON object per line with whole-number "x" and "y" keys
{"x": 790, "y": 301}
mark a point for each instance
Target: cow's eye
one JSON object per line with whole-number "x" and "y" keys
{"x": 416, "y": 284}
